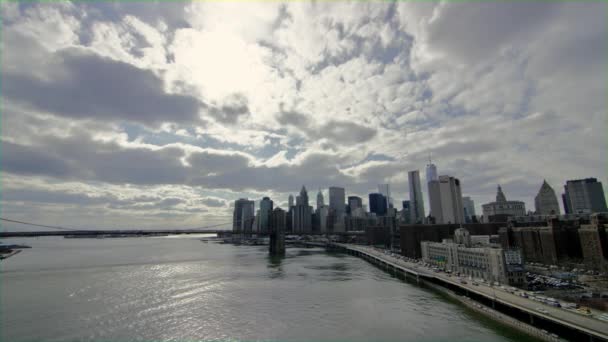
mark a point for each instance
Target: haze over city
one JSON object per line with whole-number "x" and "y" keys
{"x": 121, "y": 115}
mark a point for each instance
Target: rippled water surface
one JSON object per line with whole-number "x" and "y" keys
{"x": 181, "y": 289}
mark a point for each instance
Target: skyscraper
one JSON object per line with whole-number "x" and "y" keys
{"x": 584, "y": 196}
{"x": 290, "y": 201}
{"x": 377, "y": 204}
{"x": 445, "y": 197}
{"x": 469, "y": 208}
{"x": 502, "y": 208}
{"x": 405, "y": 213}
{"x": 416, "y": 200}
{"x": 355, "y": 202}
{"x": 431, "y": 172}
{"x": 385, "y": 190}
{"x": 545, "y": 201}
{"x": 266, "y": 207}
{"x": 319, "y": 200}
{"x": 337, "y": 202}
{"x": 243, "y": 215}
{"x": 302, "y": 214}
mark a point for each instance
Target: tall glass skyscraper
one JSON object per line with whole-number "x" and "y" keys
{"x": 416, "y": 200}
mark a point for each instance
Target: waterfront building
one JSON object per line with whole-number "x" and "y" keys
{"x": 501, "y": 208}
{"x": 302, "y": 213}
{"x": 319, "y": 199}
{"x": 545, "y": 202}
{"x": 377, "y": 204}
{"x": 416, "y": 200}
{"x": 459, "y": 256}
{"x": 243, "y": 215}
{"x": 551, "y": 242}
{"x": 584, "y": 196}
{"x": 445, "y": 198}
{"x": 594, "y": 242}
{"x": 469, "y": 209}
{"x": 266, "y": 207}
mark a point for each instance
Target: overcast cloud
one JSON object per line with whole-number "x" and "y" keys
{"x": 161, "y": 115}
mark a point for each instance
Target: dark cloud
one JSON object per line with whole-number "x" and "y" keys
{"x": 213, "y": 202}
{"x": 235, "y": 107}
{"x": 471, "y": 32}
{"x": 341, "y": 132}
{"x": 346, "y": 132}
{"x": 81, "y": 84}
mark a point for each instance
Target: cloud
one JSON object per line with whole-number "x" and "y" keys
{"x": 83, "y": 85}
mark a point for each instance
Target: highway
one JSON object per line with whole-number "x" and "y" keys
{"x": 560, "y": 315}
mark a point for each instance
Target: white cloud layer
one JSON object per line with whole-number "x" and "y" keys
{"x": 162, "y": 114}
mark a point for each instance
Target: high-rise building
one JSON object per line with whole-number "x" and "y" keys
{"x": 385, "y": 190}
{"x": 323, "y": 214}
{"x": 502, "y": 208}
{"x": 266, "y": 207}
{"x": 469, "y": 208}
{"x": 243, "y": 215}
{"x": 445, "y": 198}
{"x": 545, "y": 201}
{"x": 337, "y": 202}
{"x": 377, "y": 204}
{"x": 584, "y": 196}
{"x": 319, "y": 199}
{"x": 290, "y": 202}
{"x": 431, "y": 172}
{"x": 302, "y": 213}
{"x": 416, "y": 200}
{"x": 354, "y": 202}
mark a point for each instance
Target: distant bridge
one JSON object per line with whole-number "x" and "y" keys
{"x": 141, "y": 232}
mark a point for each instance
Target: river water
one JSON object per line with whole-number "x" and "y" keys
{"x": 181, "y": 289}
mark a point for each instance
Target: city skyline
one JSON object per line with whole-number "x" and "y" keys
{"x": 123, "y": 115}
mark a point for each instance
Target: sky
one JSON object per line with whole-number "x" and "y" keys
{"x": 161, "y": 114}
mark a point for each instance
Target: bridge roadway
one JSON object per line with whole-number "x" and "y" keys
{"x": 590, "y": 326}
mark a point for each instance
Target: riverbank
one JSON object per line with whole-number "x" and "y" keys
{"x": 495, "y": 315}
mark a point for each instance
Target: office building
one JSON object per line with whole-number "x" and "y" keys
{"x": 445, "y": 198}
{"x": 290, "y": 201}
{"x": 431, "y": 172}
{"x": 377, "y": 204}
{"x": 416, "y": 200}
{"x": 354, "y": 202}
{"x": 458, "y": 256}
{"x": 302, "y": 214}
{"x": 594, "y": 242}
{"x": 243, "y": 216}
{"x": 584, "y": 196}
{"x": 468, "y": 205}
{"x": 319, "y": 200}
{"x": 337, "y": 202}
{"x": 501, "y": 209}
{"x": 405, "y": 212}
{"x": 266, "y": 207}
{"x": 545, "y": 202}
{"x": 385, "y": 190}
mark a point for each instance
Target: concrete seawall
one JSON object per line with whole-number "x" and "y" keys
{"x": 495, "y": 315}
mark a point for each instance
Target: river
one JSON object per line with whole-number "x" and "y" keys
{"x": 181, "y": 289}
